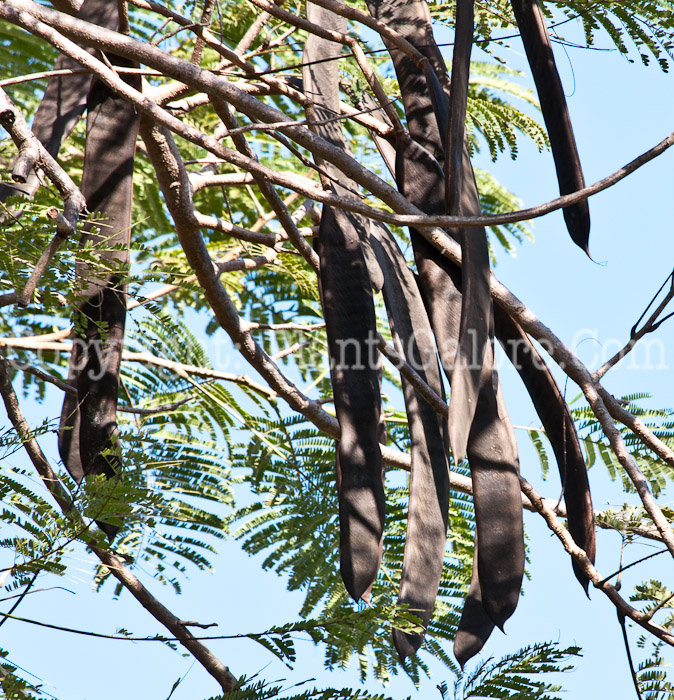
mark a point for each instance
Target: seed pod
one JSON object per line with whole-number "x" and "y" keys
{"x": 88, "y": 437}
{"x": 475, "y": 626}
{"x": 554, "y": 413}
{"x": 346, "y": 295}
{"x": 491, "y": 448}
{"x": 65, "y": 98}
{"x": 536, "y": 40}
{"x": 429, "y": 479}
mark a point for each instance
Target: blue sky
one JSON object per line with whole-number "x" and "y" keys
{"x": 618, "y": 110}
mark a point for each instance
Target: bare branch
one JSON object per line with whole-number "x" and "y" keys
{"x": 199, "y": 180}
{"x": 206, "y": 14}
{"x": 252, "y": 33}
{"x": 59, "y": 383}
{"x": 305, "y": 328}
{"x": 204, "y": 372}
{"x": 266, "y": 188}
{"x": 63, "y": 230}
{"x": 413, "y": 377}
{"x": 346, "y": 40}
{"x": 215, "y": 224}
{"x": 598, "y": 399}
{"x": 15, "y": 415}
{"x": 128, "y": 356}
{"x": 32, "y": 153}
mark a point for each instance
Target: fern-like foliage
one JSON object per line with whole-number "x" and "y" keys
{"x": 644, "y": 27}
{"x": 177, "y": 483}
{"x": 652, "y": 676}
{"x": 261, "y": 690}
{"x": 655, "y": 598}
{"x": 516, "y": 676}
{"x": 637, "y": 28}
{"x": 492, "y": 115}
{"x": 657, "y": 471}
{"x": 13, "y": 687}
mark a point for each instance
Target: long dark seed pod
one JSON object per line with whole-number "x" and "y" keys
{"x": 429, "y": 479}
{"x": 88, "y": 441}
{"x": 458, "y": 103}
{"x": 412, "y": 20}
{"x": 494, "y": 469}
{"x": 560, "y": 429}
{"x": 476, "y": 304}
{"x": 476, "y": 312}
{"x": 531, "y": 23}
{"x": 429, "y": 486}
{"x": 351, "y": 330}
{"x": 492, "y": 450}
{"x": 350, "y": 320}
{"x": 475, "y": 626}
{"x": 426, "y": 107}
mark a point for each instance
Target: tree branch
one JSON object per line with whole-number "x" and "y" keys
{"x": 598, "y": 581}
{"x": 651, "y": 325}
{"x": 33, "y": 154}
{"x": 161, "y": 613}
{"x": 25, "y": 12}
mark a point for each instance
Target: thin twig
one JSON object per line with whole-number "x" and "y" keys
{"x": 651, "y": 325}
{"x": 67, "y": 388}
{"x": 63, "y": 230}
{"x": 41, "y": 75}
{"x": 346, "y": 40}
{"x": 128, "y": 356}
{"x": 267, "y": 190}
{"x": 631, "y": 564}
{"x": 305, "y": 328}
{"x": 15, "y": 415}
{"x": 628, "y": 652}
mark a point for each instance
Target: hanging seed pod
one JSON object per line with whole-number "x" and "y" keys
{"x": 536, "y": 40}
{"x": 346, "y": 294}
{"x": 88, "y": 442}
{"x": 559, "y": 427}
{"x": 490, "y": 444}
{"x": 429, "y": 479}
